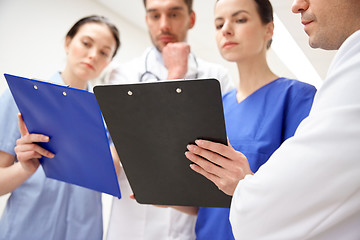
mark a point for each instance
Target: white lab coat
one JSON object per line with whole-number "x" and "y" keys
{"x": 151, "y": 61}
{"x": 310, "y": 187}
{"x": 128, "y": 219}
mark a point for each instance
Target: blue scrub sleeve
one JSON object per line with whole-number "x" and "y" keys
{"x": 9, "y": 130}
{"x": 299, "y": 108}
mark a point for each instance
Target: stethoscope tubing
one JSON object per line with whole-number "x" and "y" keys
{"x": 147, "y": 72}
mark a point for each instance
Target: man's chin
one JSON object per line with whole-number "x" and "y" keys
{"x": 313, "y": 43}
{"x": 161, "y": 46}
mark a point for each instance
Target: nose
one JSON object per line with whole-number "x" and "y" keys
{"x": 227, "y": 29}
{"x": 92, "y": 53}
{"x": 299, "y": 6}
{"x": 165, "y": 25}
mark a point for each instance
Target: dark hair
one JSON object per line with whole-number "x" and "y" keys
{"x": 96, "y": 19}
{"x": 265, "y": 11}
{"x": 266, "y": 14}
{"x": 189, "y": 4}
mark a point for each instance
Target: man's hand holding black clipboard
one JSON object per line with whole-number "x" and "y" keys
{"x": 219, "y": 163}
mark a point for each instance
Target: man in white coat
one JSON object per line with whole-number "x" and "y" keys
{"x": 168, "y": 22}
{"x": 310, "y": 187}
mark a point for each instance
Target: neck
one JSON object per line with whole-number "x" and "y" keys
{"x": 253, "y": 74}
{"x": 73, "y": 81}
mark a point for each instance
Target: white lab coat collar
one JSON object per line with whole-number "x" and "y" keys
{"x": 345, "y": 51}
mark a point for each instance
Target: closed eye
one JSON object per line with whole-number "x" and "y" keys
{"x": 241, "y": 20}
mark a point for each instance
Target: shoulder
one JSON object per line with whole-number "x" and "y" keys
{"x": 7, "y": 101}
{"x": 293, "y": 94}
{"x": 229, "y": 94}
{"x": 292, "y": 86}
{"x": 130, "y": 71}
{"x": 210, "y": 67}
{"x": 125, "y": 72}
{"x": 9, "y": 131}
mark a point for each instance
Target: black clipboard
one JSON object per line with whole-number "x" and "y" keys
{"x": 72, "y": 119}
{"x": 151, "y": 124}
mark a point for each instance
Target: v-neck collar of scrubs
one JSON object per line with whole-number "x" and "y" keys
{"x": 257, "y": 91}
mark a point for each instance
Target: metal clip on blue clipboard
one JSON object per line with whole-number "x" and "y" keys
{"x": 73, "y": 121}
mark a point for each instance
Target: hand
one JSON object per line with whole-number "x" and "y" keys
{"x": 185, "y": 209}
{"x": 27, "y": 151}
{"x": 175, "y": 57}
{"x": 116, "y": 160}
{"x": 132, "y": 196}
{"x": 221, "y": 164}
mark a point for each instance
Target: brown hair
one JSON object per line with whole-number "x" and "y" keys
{"x": 189, "y": 4}
{"x": 96, "y": 19}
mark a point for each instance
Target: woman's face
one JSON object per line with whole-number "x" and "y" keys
{"x": 240, "y": 33}
{"x": 89, "y": 51}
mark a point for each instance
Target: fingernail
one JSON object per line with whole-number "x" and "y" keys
{"x": 198, "y": 142}
{"x": 51, "y": 155}
{"x": 190, "y": 147}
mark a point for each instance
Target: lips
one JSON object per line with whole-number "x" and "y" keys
{"x": 166, "y": 38}
{"x": 89, "y": 65}
{"x": 229, "y": 44}
{"x": 306, "y": 22}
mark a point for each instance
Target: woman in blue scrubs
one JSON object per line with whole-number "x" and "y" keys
{"x": 260, "y": 114}
{"x": 39, "y": 207}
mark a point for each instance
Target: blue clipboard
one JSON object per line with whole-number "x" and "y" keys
{"x": 72, "y": 119}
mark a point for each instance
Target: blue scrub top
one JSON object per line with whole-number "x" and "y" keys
{"x": 43, "y": 208}
{"x": 256, "y": 127}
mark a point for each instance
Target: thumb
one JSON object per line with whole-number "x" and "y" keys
{"x": 22, "y": 126}
{"x": 228, "y": 143}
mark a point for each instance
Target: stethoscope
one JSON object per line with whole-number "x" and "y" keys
{"x": 154, "y": 76}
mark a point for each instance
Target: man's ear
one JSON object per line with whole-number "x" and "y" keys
{"x": 146, "y": 19}
{"x": 192, "y": 19}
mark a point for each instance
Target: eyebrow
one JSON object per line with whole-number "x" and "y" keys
{"x": 177, "y": 8}
{"x": 234, "y": 14}
{"x": 92, "y": 40}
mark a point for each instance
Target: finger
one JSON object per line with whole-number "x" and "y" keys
{"x": 204, "y": 164}
{"x": 162, "y": 206}
{"x": 28, "y": 156}
{"x": 219, "y": 148}
{"x": 210, "y": 156}
{"x": 228, "y": 143}
{"x": 221, "y": 183}
{"x": 215, "y": 179}
{"x": 22, "y": 126}
{"x": 33, "y": 148}
{"x": 32, "y": 138}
